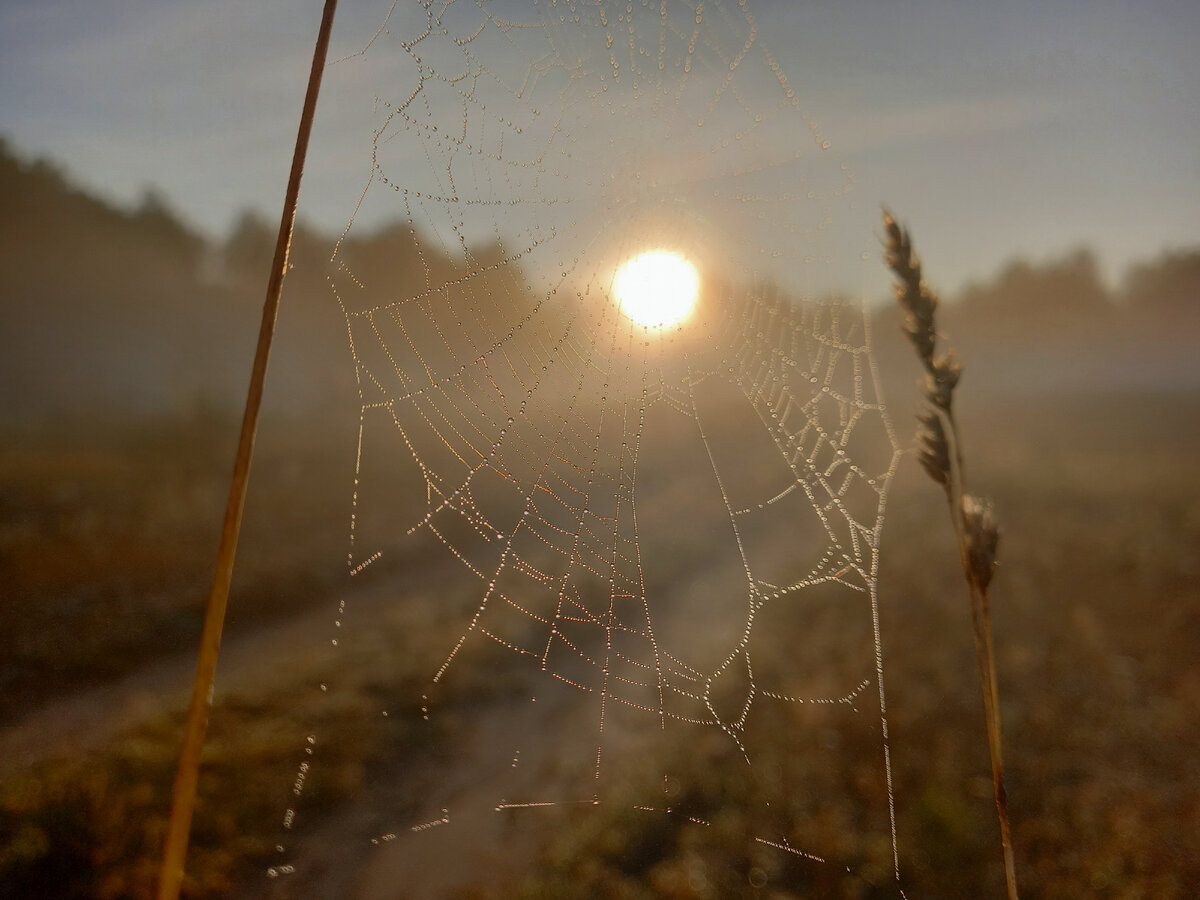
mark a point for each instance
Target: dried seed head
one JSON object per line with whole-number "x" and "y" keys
{"x": 982, "y": 537}
{"x": 933, "y": 450}
{"x": 920, "y": 331}
{"x": 942, "y": 378}
{"x": 914, "y": 296}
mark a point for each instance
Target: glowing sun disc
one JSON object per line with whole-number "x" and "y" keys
{"x": 656, "y": 289}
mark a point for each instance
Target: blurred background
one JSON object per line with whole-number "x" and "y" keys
{"x": 1047, "y": 160}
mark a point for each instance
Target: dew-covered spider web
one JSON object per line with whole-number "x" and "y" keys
{"x": 624, "y": 575}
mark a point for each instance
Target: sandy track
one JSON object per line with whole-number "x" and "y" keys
{"x": 77, "y": 724}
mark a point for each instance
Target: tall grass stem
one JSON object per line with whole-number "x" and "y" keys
{"x": 183, "y": 799}
{"x": 939, "y": 452}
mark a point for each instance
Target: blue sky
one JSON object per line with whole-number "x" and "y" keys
{"x": 994, "y": 129}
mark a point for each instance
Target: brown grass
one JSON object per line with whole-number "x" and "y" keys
{"x": 940, "y": 454}
{"x": 1096, "y": 605}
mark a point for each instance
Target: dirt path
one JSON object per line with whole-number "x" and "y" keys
{"x": 517, "y": 750}
{"x": 74, "y": 725}
{"x": 495, "y": 794}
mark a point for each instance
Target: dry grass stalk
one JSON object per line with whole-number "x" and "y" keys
{"x": 939, "y": 452}
{"x": 183, "y": 794}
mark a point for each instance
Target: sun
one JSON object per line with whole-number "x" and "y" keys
{"x": 656, "y": 289}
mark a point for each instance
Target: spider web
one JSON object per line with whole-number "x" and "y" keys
{"x": 656, "y": 537}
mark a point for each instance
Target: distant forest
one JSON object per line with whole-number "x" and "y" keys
{"x": 108, "y": 312}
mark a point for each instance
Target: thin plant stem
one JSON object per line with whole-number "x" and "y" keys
{"x": 984, "y": 650}
{"x": 940, "y": 454}
{"x": 183, "y": 797}
{"x": 1010, "y": 866}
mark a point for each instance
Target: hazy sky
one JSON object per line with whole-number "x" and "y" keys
{"x": 994, "y": 129}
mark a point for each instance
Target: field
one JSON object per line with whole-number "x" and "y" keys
{"x": 531, "y": 602}
{"x": 1095, "y": 606}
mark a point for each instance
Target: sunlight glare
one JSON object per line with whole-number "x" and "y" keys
{"x": 656, "y": 289}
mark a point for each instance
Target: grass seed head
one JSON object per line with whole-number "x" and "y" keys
{"x": 933, "y": 450}
{"x": 983, "y": 536}
{"x": 941, "y": 379}
{"x": 914, "y": 296}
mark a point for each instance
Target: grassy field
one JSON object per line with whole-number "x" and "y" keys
{"x": 1094, "y": 603}
{"x": 1095, "y": 608}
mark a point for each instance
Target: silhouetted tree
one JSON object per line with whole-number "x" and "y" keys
{"x": 1062, "y": 288}
{"x": 247, "y": 251}
{"x": 1170, "y": 285}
